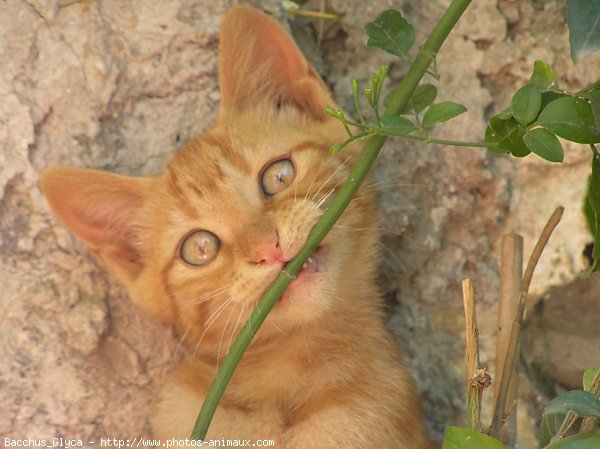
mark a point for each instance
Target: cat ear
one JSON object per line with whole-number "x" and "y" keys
{"x": 102, "y": 209}
{"x": 259, "y": 59}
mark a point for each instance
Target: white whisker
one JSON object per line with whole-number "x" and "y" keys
{"x": 373, "y": 187}
{"x": 311, "y": 184}
{"x": 277, "y": 327}
{"x": 211, "y": 295}
{"x": 196, "y": 278}
{"x": 342, "y": 165}
{"x": 189, "y": 328}
{"x": 212, "y": 319}
{"x": 222, "y": 336}
{"x": 217, "y": 312}
{"x": 394, "y": 255}
{"x": 322, "y": 200}
{"x": 391, "y": 181}
{"x": 375, "y": 229}
{"x": 295, "y": 192}
{"x": 242, "y": 310}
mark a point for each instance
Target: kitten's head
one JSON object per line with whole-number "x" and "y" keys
{"x": 200, "y": 243}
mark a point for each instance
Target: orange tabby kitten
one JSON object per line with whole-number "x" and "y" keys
{"x": 198, "y": 244}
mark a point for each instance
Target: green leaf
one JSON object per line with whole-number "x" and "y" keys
{"x": 395, "y": 125}
{"x": 391, "y": 32}
{"x": 545, "y": 144}
{"x": 505, "y": 115}
{"x": 520, "y": 152}
{"x": 549, "y": 427}
{"x": 593, "y": 204}
{"x": 461, "y": 438}
{"x": 508, "y": 134}
{"x": 526, "y": 104}
{"x": 583, "y": 18}
{"x": 582, "y": 403}
{"x": 588, "y": 377}
{"x": 550, "y": 96}
{"x": 423, "y": 97}
{"x": 543, "y": 76}
{"x": 442, "y": 112}
{"x": 570, "y": 118}
{"x": 594, "y": 98}
{"x": 588, "y": 440}
{"x": 588, "y": 211}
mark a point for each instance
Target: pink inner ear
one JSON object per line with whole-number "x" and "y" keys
{"x": 290, "y": 60}
{"x": 258, "y": 58}
{"x": 103, "y": 218}
{"x": 100, "y": 208}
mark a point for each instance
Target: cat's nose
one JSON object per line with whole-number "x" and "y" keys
{"x": 269, "y": 253}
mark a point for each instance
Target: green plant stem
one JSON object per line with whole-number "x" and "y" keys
{"x": 426, "y": 139}
{"x": 377, "y": 117}
{"x": 588, "y": 424}
{"x": 456, "y": 143}
{"x": 331, "y": 215}
{"x": 356, "y": 103}
{"x": 347, "y": 128}
{"x": 566, "y": 425}
{"x": 313, "y": 14}
{"x": 595, "y": 85}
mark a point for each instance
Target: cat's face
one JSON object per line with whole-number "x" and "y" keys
{"x": 237, "y": 204}
{"x": 200, "y": 243}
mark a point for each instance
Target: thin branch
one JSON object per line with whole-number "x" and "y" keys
{"x": 431, "y": 140}
{"x": 471, "y": 330}
{"x": 511, "y": 275}
{"x": 477, "y": 378}
{"x": 511, "y": 355}
{"x": 313, "y": 14}
{"x": 588, "y": 424}
{"x": 539, "y": 248}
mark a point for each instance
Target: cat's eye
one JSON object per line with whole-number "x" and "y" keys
{"x": 277, "y": 176}
{"x": 199, "y": 247}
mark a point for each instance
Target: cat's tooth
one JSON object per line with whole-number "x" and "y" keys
{"x": 308, "y": 264}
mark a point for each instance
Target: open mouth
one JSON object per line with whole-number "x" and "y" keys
{"x": 314, "y": 263}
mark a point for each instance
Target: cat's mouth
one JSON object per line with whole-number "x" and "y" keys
{"x": 313, "y": 264}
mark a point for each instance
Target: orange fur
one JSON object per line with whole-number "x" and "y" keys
{"x": 323, "y": 371}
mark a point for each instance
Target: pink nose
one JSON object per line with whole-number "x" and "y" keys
{"x": 269, "y": 253}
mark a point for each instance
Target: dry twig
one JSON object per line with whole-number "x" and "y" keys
{"x": 513, "y": 341}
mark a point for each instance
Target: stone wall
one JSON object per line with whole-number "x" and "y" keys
{"x": 121, "y": 85}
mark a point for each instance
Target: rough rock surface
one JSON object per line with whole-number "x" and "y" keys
{"x": 117, "y": 86}
{"x": 121, "y": 85}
